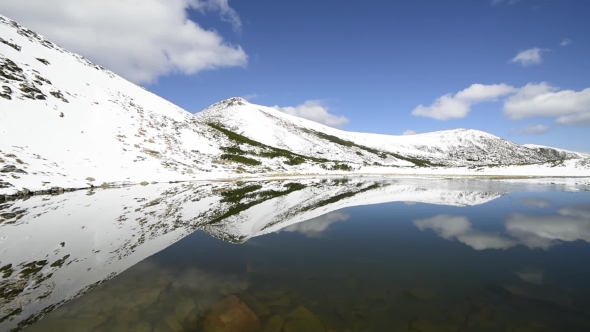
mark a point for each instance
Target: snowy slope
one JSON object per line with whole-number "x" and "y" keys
{"x": 558, "y": 153}
{"x": 68, "y": 123}
{"x": 80, "y": 239}
{"x": 457, "y": 147}
{"x": 64, "y": 119}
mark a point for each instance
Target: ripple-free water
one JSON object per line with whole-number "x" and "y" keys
{"x": 468, "y": 260}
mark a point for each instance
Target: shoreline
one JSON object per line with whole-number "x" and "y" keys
{"x": 56, "y": 190}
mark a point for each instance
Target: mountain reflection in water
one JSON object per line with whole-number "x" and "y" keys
{"x": 331, "y": 250}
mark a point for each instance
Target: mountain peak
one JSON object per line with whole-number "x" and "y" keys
{"x": 233, "y": 101}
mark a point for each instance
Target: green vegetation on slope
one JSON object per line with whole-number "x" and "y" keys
{"x": 339, "y": 197}
{"x": 233, "y": 150}
{"x": 381, "y": 154}
{"x": 240, "y": 159}
{"x": 337, "y": 167}
{"x": 268, "y": 151}
{"x": 236, "y": 196}
{"x": 297, "y": 159}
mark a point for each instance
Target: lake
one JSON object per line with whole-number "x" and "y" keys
{"x": 332, "y": 255}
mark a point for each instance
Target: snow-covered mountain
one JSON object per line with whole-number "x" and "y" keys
{"x": 557, "y": 153}
{"x": 68, "y": 123}
{"x": 53, "y": 249}
{"x": 457, "y": 147}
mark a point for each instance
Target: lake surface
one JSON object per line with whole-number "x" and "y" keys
{"x": 310, "y": 255}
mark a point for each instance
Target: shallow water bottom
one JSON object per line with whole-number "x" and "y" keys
{"x": 291, "y": 298}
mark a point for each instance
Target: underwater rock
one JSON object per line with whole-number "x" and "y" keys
{"x": 274, "y": 324}
{"x": 173, "y": 324}
{"x": 183, "y": 308}
{"x": 301, "y": 319}
{"x": 146, "y": 297}
{"x": 231, "y": 315}
{"x": 259, "y": 309}
{"x": 143, "y": 327}
{"x": 127, "y": 316}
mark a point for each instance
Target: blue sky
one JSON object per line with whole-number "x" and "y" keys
{"x": 371, "y": 62}
{"x": 374, "y": 62}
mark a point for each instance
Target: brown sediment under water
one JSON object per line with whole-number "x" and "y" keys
{"x": 498, "y": 261}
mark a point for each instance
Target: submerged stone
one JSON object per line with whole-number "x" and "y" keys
{"x": 259, "y": 309}
{"x": 183, "y": 308}
{"x": 127, "y": 316}
{"x": 173, "y": 324}
{"x": 301, "y": 312}
{"x": 274, "y": 324}
{"x": 301, "y": 319}
{"x": 143, "y": 327}
{"x": 231, "y": 315}
{"x": 147, "y": 297}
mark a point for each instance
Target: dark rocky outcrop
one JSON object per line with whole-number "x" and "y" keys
{"x": 11, "y": 169}
{"x": 43, "y": 61}
{"x": 6, "y": 42}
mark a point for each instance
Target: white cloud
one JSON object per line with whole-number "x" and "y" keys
{"x": 409, "y": 132}
{"x": 576, "y": 211}
{"x": 571, "y": 223}
{"x": 568, "y": 107}
{"x": 250, "y": 96}
{"x": 227, "y": 13}
{"x": 480, "y": 92}
{"x": 315, "y": 110}
{"x": 459, "y": 228}
{"x": 498, "y": 2}
{"x": 458, "y": 105}
{"x": 529, "y": 57}
{"x": 138, "y": 39}
{"x": 566, "y": 42}
{"x": 316, "y": 226}
{"x": 444, "y": 108}
{"x": 536, "y": 202}
{"x": 535, "y": 129}
{"x": 580, "y": 119}
{"x": 543, "y": 100}
{"x": 531, "y": 275}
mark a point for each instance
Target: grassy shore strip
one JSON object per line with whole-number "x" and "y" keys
{"x": 392, "y": 175}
